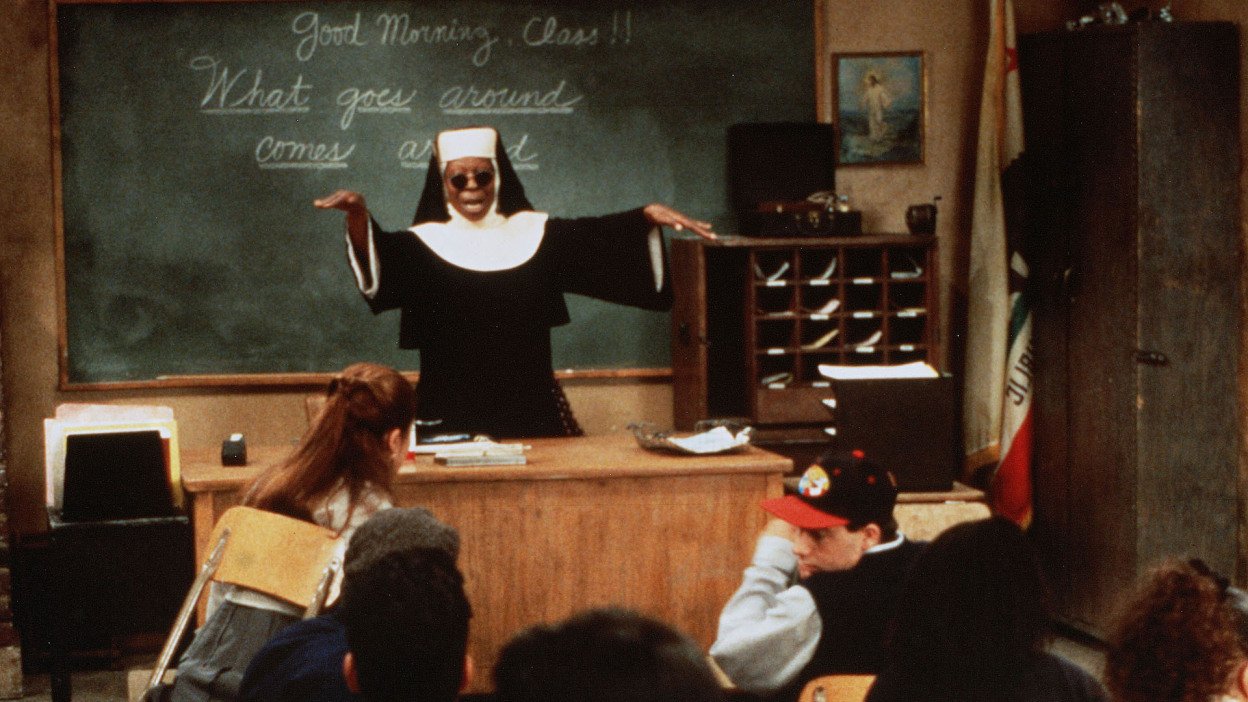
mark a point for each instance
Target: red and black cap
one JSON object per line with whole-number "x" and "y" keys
{"x": 840, "y": 488}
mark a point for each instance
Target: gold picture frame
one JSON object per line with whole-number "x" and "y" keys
{"x": 879, "y": 106}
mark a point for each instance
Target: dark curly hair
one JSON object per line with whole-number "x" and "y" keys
{"x": 1179, "y": 638}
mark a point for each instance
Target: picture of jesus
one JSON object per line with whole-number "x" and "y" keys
{"x": 879, "y": 107}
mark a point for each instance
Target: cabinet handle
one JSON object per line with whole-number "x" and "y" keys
{"x": 1152, "y": 358}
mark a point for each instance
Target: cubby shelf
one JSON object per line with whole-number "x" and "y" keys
{"x": 755, "y": 317}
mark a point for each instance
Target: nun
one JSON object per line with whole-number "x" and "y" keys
{"x": 480, "y": 277}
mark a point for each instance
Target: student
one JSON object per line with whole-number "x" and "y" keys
{"x": 604, "y": 655}
{"x": 823, "y": 583}
{"x": 1182, "y": 637}
{"x": 480, "y": 278}
{"x": 971, "y": 626}
{"x": 399, "y": 633}
{"x": 339, "y": 475}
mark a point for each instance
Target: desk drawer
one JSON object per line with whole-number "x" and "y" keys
{"x": 794, "y": 405}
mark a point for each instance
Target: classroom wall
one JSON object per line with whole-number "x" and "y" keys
{"x": 952, "y": 33}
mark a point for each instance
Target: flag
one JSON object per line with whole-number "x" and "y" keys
{"x": 997, "y": 389}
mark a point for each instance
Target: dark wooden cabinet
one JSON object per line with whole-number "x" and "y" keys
{"x": 754, "y": 318}
{"x": 1133, "y": 233}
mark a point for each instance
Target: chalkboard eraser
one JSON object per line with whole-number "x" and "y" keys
{"x": 234, "y": 451}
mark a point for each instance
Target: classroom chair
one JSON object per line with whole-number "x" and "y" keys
{"x": 837, "y": 688}
{"x": 290, "y": 559}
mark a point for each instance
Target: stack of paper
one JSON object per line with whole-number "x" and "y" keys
{"x": 918, "y": 369}
{"x": 82, "y": 418}
{"x": 477, "y": 453}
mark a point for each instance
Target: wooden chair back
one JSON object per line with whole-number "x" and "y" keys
{"x": 277, "y": 555}
{"x": 286, "y": 558}
{"x": 837, "y": 688}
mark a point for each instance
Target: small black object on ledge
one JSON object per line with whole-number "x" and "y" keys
{"x": 234, "y": 451}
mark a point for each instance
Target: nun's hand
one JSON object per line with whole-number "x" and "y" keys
{"x": 348, "y": 201}
{"x": 657, "y": 213}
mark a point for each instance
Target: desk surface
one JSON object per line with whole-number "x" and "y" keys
{"x": 589, "y": 521}
{"x": 587, "y": 457}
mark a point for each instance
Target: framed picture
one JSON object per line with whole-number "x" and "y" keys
{"x": 878, "y": 106}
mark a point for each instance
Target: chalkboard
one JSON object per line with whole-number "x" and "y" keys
{"x": 194, "y": 137}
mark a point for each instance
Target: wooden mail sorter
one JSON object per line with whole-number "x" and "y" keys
{"x": 754, "y": 318}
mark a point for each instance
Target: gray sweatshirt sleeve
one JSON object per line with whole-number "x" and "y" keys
{"x": 770, "y": 627}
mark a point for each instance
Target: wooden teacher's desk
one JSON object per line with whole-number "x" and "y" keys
{"x": 589, "y": 521}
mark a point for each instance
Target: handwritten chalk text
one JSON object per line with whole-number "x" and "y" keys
{"x": 470, "y": 99}
{"x": 399, "y": 30}
{"x": 228, "y": 93}
{"x": 547, "y": 32}
{"x": 272, "y": 152}
{"x": 313, "y": 33}
{"x": 372, "y": 100}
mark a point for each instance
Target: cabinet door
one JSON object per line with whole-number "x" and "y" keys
{"x": 1103, "y": 320}
{"x": 1189, "y": 297}
{"x": 1134, "y": 237}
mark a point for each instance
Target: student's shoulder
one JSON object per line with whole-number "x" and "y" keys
{"x": 302, "y": 661}
{"x": 324, "y": 630}
{"x": 1057, "y": 678}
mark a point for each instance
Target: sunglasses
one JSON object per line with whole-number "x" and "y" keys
{"x": 482, "y": 179}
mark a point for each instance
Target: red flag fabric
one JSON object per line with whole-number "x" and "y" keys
{"x": 997, "y": 388}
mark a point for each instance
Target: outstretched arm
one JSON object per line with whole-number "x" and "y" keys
{"x": 658, "y": 213}
{"x": 353, "y": 204}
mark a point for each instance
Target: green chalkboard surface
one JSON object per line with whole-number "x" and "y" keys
{"x": 194, "y": 137}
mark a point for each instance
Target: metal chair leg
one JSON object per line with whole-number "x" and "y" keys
{"x": 188, "y": 608}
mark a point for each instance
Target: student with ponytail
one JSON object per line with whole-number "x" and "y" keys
{"x": 341, "y": 473}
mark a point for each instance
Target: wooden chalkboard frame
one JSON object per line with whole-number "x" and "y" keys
{"x": 291, "y": 380}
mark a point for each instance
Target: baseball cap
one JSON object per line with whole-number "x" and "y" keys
{"x": 840, "y": 488}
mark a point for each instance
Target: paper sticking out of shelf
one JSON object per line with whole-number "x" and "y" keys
{"x": 829, "y": 402}
{"x": 870, "y": 341}
{"x": 915, "y": 271}
{"x": 917, "y": 369}
{"x": 777, "y": 380}
{"x": 827, "y": 272}
{"x": 774, "y": 277}
{"x": 821, "y": 341}
{"x": 829, "y": 307}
